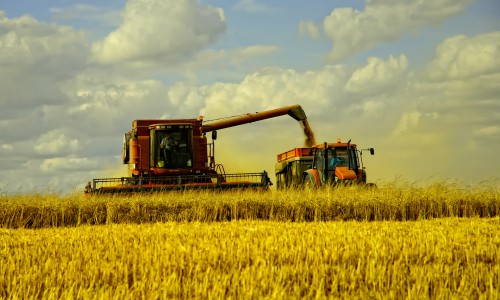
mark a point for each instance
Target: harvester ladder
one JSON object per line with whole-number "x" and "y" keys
{"x": 221, "y": 173}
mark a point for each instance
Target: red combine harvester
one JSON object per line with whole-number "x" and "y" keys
{"x": 174, "y": 155}
{"x": 321, "y": 165}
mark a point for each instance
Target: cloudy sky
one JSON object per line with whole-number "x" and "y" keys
{"x": 417, "y": 80}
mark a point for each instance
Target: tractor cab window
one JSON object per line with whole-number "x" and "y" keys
{"x": 172, "y": 148}
{"x": 337, "y": 157}
{"x": 342, "y": 157}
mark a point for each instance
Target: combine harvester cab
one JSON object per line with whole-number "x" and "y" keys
{"x": 327, "y": 164}
{"x": 167, "y": 155}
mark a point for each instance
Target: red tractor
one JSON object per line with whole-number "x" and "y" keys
{"x": 321, "y": 165}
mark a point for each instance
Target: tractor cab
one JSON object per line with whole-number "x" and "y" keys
{"x": 338, "y": 162}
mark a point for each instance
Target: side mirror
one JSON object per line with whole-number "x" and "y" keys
{"x": 214, "y": 135}
{"x": 372, "y": 151}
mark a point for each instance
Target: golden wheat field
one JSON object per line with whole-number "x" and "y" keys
{"x": 435, "y": 242}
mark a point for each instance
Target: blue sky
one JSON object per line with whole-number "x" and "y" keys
{"x": 416, "y": 80}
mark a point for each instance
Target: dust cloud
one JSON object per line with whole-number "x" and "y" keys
{"x": 114, "y": 171}
{"x": 308, "y": 133}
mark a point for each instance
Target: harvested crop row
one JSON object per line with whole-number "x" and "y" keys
{"x": 446, "y": 258}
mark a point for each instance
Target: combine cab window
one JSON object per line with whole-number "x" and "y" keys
{"x": 172, "y": 148}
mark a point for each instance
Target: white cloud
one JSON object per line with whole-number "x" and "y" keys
{"x": 462, "y": 57}
{"x": 59, "y": 164}
{"x": 354, "y": 31}
{"x": 7, "y": 147}
{"x": 329, "y": 89}
{"x": 251, "y": 6}
{"x": 370, "y": 107}
{"x": 87, "y": 13}
{"x": 158, "y": 33}
{"x": 309, "y": 29}
{"x": 25, "y": 41}
{"x": 452, "y": 111}
{"x": 378, "y": 75}
{"x": 55, "y": 142}
{"x": 408, "y": 120}
{"x": 186, "y": 101}
{"x": 231, "y": 57}
{"x": 330, "y": 95}
{"x": 489, "y": 133}
{"x": 244, "y": 53}
{"x": 460, "y": 84}
{"x": 101, "y": 106}
{"x": 273, "y": 87}
{"x": 35, "y": 58}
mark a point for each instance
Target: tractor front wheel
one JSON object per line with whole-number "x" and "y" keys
{"x": 309, "y": 183}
